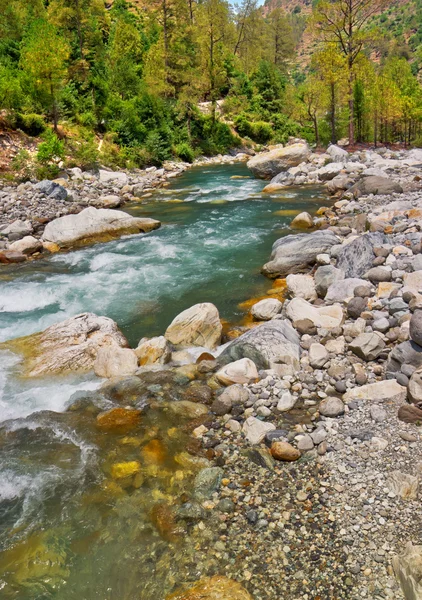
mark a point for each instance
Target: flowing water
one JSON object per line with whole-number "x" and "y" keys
{"x": 69, "y": 527}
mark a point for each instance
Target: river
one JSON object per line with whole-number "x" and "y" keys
{"x": 67, "y": 530}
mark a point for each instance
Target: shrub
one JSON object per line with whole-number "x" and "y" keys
{"x": 32, "y": 124}
{"x": 52, "y": 149}
{"x": 185, "y": 152}
{"x": 157, "y": 147}
{"x": 23, "y": 166}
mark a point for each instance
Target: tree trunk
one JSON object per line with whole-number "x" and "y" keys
{"x": 55, "y": 108}
{"x": 351, "y": 105}
{"x": 333, "y": 113}
{"x": 316, "y": 131}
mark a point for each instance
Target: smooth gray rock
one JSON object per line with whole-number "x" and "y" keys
{"x": 296, "y": 253}
{"x": 355, "y": 259}
{"x": 206, "y": 482}
{"x": 331, "y": 407}
{"x": 356, "y": 306}
{"x": 326, "y": 276}
{"x": 341, "y": 290}
{"x": 375, "y": 185}
{"x": 367, "y": 346}
{"x": 415, "y": 329}
{"x": 414, "y": 390}
{"x": 268, "y": 164}
{"x": 379, "y": 274}
{"x": 272, "y": 342}
{"x": 406, "y": 353}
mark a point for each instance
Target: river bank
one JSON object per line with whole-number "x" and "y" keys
{"x": 306, "y": 425}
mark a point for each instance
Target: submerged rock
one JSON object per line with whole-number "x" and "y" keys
{"x": 69, "y": 346}
{"x": 218, "y": 587}
{"x": 268, "y": 164}
{"x": 94, "y": 224}
{"x": 269, "y": 343}
{"x": 199, "y": 325}
{"x": 296, "y": 253}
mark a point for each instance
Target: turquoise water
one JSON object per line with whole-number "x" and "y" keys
{"x": 68, "y": 529}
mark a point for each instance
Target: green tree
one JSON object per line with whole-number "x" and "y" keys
{"x": 44, "y": 57}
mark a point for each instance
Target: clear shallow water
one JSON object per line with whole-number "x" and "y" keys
{"x": 68, "y": 529}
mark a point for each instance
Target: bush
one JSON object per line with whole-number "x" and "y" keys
{"x": 260, "y": 131}
{"x": 185, "y": 152}
{"x": 32, "y": 124}
{"x": 157, "y": 147}
{"x": 22, "y": 165}
{"x": 52, "y": 149}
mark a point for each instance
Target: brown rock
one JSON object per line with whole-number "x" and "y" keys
{"x": 218, "y": 587}
{"x": 119, "y": 420}
{"x": 410, "y": 413}
{"x": 284, "y": 451}
{"x": 9, "y": 256}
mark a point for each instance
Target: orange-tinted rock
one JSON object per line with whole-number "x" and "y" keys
{"x": 163, "y": 520}
{"x": 119, "y": 420}
{"x": 284, "y": 451}
{"x": 218, "y": 587}
{"x": 204, "y": 356}
{"x": 153, "y": 453}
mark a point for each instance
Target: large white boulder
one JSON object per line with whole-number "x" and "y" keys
{"x": 116, "y": 177}
{"x": 327, "y": 317}
{"x": 113, "y": 361}
{"x": 153, "y": 351}
{"x": 301, "y": 286}
{"x": 266, "y": 309}
{"x": 268, "y": 164}
{"x": 199, "y": 325}
{"x": 27, "y": 245}
{"x": 240, "y": 371}
{"x": 69, "y": 346}
{"x": 377, "y": 392}
{"x": 95, "y": 224}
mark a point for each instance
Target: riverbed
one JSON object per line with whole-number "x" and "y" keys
{"x": 68, "y": 530}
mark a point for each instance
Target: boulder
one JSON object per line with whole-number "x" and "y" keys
{"x": 410, "y": 413}
{"x": 18, "y": 228}
{"x": 94, "y": 224}
{"x": 284, "y": 451}
{"x": 286, "y": 402}
{"x": 318, "y": 356}
{"x": 380, "y": 391}
{"x": 10, "y": 256}
{"x": 240, "y": 371}
{"x": 198, "y": 325}
{"x": 375, "y": 185}
{"x": 367, "y": 346}
{"x": 327, "y": 317}
{"x": 337, "y": 154}
{"x": 331, "y": 407}
{"x": 340, "y": 183}
{"x": 403, "y": 485}
{"x": 114, "y": 361}
{"x": 407, "y": 568}
{"x": 330, "y": 171}
{"x": 302, "y": 221}
{"x": 406, "y": 353}
{"x": 273, "y": 187}
{"x": 296, "y": 253}
{"x": 27, "y": 245}
{"x": 217, "y": 587}
{"x": 301, "y": 286}
{"x": 117, "y": 177}
{"x": 342, "y": 290}
{"x": 255, "y": 430}
{"x": 356, "y": 257}
{"x": 266, "y": 165}
{"x": 153, "y": 351}
{"x": 414, "y": 389}
{"x": 379, "y": 274}
{"x": 415, "y": 328}
{"x": 69, "y": 346}
{"x": 266, "y": 309}
{"x": 326, "y": 276}
{"x": 110, "y": 201}
{"x": 267, "y": 344}
{"x": 237, "y": 394}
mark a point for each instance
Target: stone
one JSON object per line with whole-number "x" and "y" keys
{"x": 119, "y": 420}
{"x": 356, "y": 306}
{"x": 237, "y": 394}
{"x": 18, "y": 228}
{"x": 302, "y": 221}
{"x": 273, "y": 187}
{"x": 266, "y": 165}
{"x": 199, "y": 325}
{"x": 114, "y": 361}
{"x": 222, "y": 405}
{"x": 367, "y": 346}
{"x": 113, "y": 177}
{"x": 331, "y": 407}
{"x": 406, "y": 353}
{"x": 93, "y": 224}
{"x": 109, "y": 201}
{"x": 270, "y": 343}
{"x": 382, "y": 325}
{"x": 286, "y": 402}
{"x": 328, "y": 317}
{"x": 330, "y": 171}
{"x": 343, "y": 289}
{"x": 305, "y": 443}
{"x": 379, "y": 274}
{"x": 305, "y": 326}
{"x": 375, "y": 185}
{"x": 10, "y": 256}
{"x": 403, "y": 485}
{"x": 27, "y": 245}
{"x": 255, "y": 430}
{"x": 240, "y": 371}
{"x": 125, "y": 469}
{"x": 325, "y": 276}
{"x": 266, "y": 309}
{"x": 301, "y": 286}
{"x": 415, "y": 328}
{"x": 337, "y": 154}
{"x": 284, "y": 451}
{"x": 69, "y": 346}
{"x": 378, "y": 414}
{"x": 217, "y": 587}
{"x": 380, "y": 391}
{"x": 206, "y": 482}
{"x": 414, "y": 390}
{"x": 410, "y": 413}
{"x": 296, "y": 253}
{"x": 318, "y": 356}
{"x": 407, "y": 568}
{"x": 187, "y": 409}
{"x": 153, "y": 351}
{"x": 356, "y": 257}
